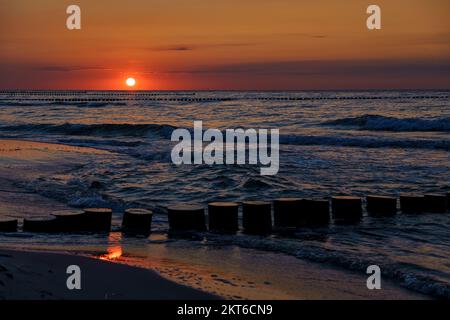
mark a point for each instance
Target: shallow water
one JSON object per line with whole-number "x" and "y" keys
{"x": 381, "y": 146}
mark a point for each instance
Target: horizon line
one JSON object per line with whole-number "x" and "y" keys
{"x": 225, "y": 90}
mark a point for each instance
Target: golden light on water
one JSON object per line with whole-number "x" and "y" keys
{"x": 114, "y": 250}
{"x": 113, "y": 253}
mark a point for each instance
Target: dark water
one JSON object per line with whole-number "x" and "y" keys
{"x": 333, "y": 146}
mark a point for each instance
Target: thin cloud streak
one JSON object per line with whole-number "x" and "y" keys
{"x": 186, "y": 47}
{"x": 69, "y": 68}
{"x": 347, "y": 68}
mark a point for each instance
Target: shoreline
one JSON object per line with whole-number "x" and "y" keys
{"x": 36, "y": 274}
{"x": 243, "y": 273}
{"x": 39, "y": 275}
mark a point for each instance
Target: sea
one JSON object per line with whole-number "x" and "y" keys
{"x": 331, "y": 143}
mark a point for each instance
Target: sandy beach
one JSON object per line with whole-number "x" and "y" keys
{"x": 30, "y": 275}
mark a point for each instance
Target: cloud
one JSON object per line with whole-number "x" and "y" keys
{"x": 300, "y": 35}
{"x": 328, "y": 68}
{"x": 263, "y": 39}
{"x": 186, "y": 47}
{"x": 69, "y": 68}
{"x": 173, "y": 48}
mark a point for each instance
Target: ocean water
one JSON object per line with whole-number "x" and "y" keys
{"x": 331, "y": 143}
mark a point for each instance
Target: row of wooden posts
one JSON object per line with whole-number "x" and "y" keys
{"x": 223, "y": 216}
{"x": 212, "y": 99}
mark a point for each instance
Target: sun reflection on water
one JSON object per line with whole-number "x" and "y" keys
{"x": 114, "y": 250}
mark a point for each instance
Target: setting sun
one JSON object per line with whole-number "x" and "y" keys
{"x": 130, "y": 82}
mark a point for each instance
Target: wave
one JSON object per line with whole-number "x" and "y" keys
{"x": 365, "y": 142}
{"x": 412, "y": 277}
{"x": 319, "y": 245}
{"x": 93, "y": 104}
{"x": 134, "y": 130}
{"x": 81, "y": 104}
{"x": 100, "y": 143}
{"x": 165, "y": 131}
{"x": 383, "y": 123}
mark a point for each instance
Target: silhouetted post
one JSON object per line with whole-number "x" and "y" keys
{"x": 316, "y": 211}
{"x": 435, "y": 203}
{"x": 286, "y": 212}
{"x": 186, "y": 218}
{"x": 137, "y": 221}
{"x": 40, "y": 224}
{"x": 346, "y": 208}
{"x": 98, "y": 219}
{"x": 257, "y": 217}
{"x": 381, "y": 205}
{"x": 223, "y": 216}
{"x": 8, "y": 224}
{"x": 448, "y": 201}
{"x": 70, "y": 221}
{"x": 410, "y": 203}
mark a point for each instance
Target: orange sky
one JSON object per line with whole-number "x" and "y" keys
{"x": 212, "y": 44}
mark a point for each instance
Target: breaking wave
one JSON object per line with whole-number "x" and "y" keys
{"x": 384, "y": 123}
{"x": 119, "y": 129}
{"x": 164, "y": 131}
{"x": 366, "y": 142}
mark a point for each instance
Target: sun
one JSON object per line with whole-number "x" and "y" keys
{"x": 131, "y": 82}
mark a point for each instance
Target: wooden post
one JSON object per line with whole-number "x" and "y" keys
{"x": 381, "y": 205}
{"x": 435, "y": 203}
{"x": 316, "y": 212}
{"x": 257, "y": 217}
{"x": 286, "y": 212}
{"x": 410, "y": 203}
{"x": 186, "y": 218}
{"x": 223, "y": 216}
{"x": 70, "y": 221}
{"x": 346, "y": 208}
{"x": 98, "y": 219}
{"x": 40, "y": 224}
{"x": 137, "y": 221}
{"x": 8, "y": 224}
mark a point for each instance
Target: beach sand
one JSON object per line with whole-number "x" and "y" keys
{"x": 241, "y": 273}
{"x": 29, "y": 275}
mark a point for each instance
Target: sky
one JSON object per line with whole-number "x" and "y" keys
{"x": 225, "y": 45}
